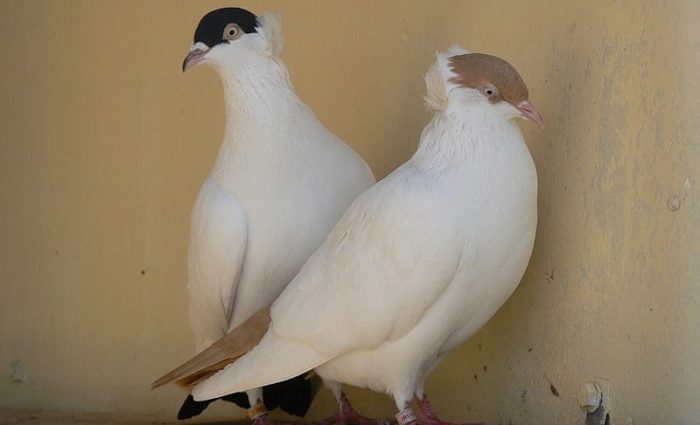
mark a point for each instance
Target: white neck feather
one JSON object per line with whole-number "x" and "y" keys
{"x": 263, "y": 115}
{"x": 253, "y": 93}
{"x": 459, "y": 136}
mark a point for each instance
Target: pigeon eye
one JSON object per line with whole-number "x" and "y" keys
{"x": 489, "y": 91}
{"x": 232, "y": 32}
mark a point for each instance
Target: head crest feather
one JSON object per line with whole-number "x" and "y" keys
{"x": 271, "y": 26}
{"x": 437, "y": 76}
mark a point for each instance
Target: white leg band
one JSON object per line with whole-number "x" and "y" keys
{"x": 405, "y": 416}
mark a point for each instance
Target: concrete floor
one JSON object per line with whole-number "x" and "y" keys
{"x": 41, "y": 417}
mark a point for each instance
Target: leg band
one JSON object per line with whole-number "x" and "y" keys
{"x": 405, "y": 416}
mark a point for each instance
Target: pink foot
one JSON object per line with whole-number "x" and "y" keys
{"x": 427, "y": 416}
{"x": 347, "y": 415}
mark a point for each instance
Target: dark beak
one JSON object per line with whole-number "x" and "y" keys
{"x": 529, "y": 112}
{"x": 194, "y": 57}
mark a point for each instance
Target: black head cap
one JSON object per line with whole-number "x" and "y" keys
{"x": 211, "y": 28}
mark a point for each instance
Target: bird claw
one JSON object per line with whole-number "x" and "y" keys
{"x": 427, "y": 416}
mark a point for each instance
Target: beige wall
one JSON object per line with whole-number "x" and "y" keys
{"x": 104, "y": 143}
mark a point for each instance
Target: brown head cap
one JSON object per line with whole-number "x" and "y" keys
{"x": 484, "y": 72}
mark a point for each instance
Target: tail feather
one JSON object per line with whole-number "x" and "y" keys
{"x": 273, "y": 360}
{"x": 293, "y": 396}
{"x": 191, "y": 408}
{"x": 223, "y": 352}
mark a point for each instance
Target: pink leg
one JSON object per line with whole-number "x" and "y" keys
{"x": 427, "y": 415}
{"x": 347, "y": 415}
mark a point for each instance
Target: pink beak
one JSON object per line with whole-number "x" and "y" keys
{"x": 528, "y": 111}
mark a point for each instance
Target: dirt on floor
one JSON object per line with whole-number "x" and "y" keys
{"x": 42, "y": 417}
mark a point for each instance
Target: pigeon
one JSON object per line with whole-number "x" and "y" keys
{"x": 417, "y": 264}
{"x": 279, "y": 184}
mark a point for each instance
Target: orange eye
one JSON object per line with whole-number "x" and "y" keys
{"x": 232, "y": 32}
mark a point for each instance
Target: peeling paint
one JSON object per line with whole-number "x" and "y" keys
{"x": 676, "y": 201}
{"x": 18, "y": 373}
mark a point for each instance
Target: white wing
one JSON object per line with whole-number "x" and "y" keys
{"x": 217, "y": 247}
{"x": 389, "y": 258}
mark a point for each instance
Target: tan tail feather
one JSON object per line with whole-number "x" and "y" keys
{"x": 234, "y": 344}
{"x": 189, "y": 381}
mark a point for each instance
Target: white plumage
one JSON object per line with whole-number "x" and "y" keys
{"x": 421, "y": 260}
{"x": 279, "y": 184}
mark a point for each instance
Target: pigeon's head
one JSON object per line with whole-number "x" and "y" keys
{"x": 491, "y": 82}
{"x": 478, "y": 81}
{"x": 232, "y": 37}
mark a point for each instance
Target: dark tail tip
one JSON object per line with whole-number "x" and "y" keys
{"x": 293, "y": 396}
{"x": 191, "y": 408}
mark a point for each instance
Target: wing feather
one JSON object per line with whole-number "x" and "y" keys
{"x": 390, "y": 257}
{"x": 218, "y": 241}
